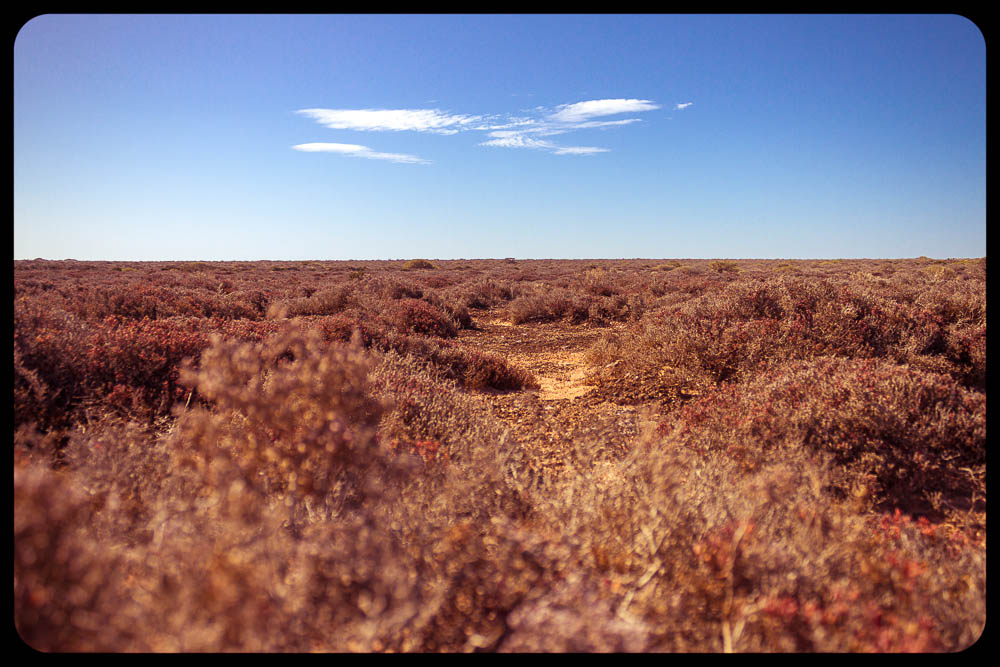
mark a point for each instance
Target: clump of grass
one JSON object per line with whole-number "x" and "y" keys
{"x": 939, "y": 271}
{"x": 667, "y": 266}
{"x": 418, "y": 264}
{"x": 724, "y": 266}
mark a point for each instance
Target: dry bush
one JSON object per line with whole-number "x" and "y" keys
{"x": 598, "y": 283}
{"x": 64, "y": 366}
{"x": 401, "y": 569}
{"x": 904, "y": 438}
{"x": 724, "y": 266}
{"x": 418, "y": 264}
{"x": 68, "y": 590}
{"x": 551, "y": 305}
{"x": 732, "y": 333}
{"x": 419, "y": 317}
{"x": 327, "y": 301}
{"x": 292, "y": 414}
{"x": 472, "y": 369}
{"x": 487, "y": 293}
{"x": 701, "y": 552}
{"x": 538, "y": 307}
{"x": 387, "y": 287}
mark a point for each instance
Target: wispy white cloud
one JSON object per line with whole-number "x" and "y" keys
{"x": 580, "y": 150}
{"x": 683, "y": 105}
{"x": 505, "y": 131}
{"x": 516, "y": 140}
{"x": 605, "y": 123}
{"x": 565, "y": 118}
{"x": 358, "y": 151}
{"x": 519, "y": 140}
{"x": 582, "y": 111}
{"x": 372, "y": 120}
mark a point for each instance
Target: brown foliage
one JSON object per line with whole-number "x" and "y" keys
{"x": 292, "y": 457}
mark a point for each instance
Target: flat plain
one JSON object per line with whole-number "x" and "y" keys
{"x": 500, "y": 455}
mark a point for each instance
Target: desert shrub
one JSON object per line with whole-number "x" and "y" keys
{"x": 244, "y": 329}
{"x": 327, "y": 301}
{"x": 455, "y": 310}
{"x": 724, "y": 266}
{"x": 471, "y": 369}
{"x": 424, "y": 406}
{"x": 145, "y": 301}
{"x": 598, "y": 283}
{"x": 218, "y": 567}
{"x": 680, "y": 352}
{"x": 65, "y": 367}
{"x": 293, "y": 415}
{"x": 914, "y": 440}
{"x": 667, "y": 266}
{"x": 144, "y": 356}
{"x": 241, "y": 305}
{"x": 477, "y": 370}
{"x": 539, "y": 305}
{"x": 939, "y": 272}
{"x": 575, "y": 617}
{"x": 416, "y": 316}
{"x": 460, "y": 314}
{"x": 549, "y": 306}
{"x": 68, "y": 589}
{"x": 617, "y": 308}
{"x": 439, "y": 280}
{"x": 966, "y": 348}
{"x": 487, "y": 293}
{"x": 51, "y": 349}
{"x": 418, "y": 264}
{"x": 124, "y": 468}
{"x": 419, "y": 574}
{"x": 734, "y": 332}
{"x": 701, "y": 552}
{"x": 385, "y": 287}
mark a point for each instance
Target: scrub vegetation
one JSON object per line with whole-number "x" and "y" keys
{"x": 500, "y": 455}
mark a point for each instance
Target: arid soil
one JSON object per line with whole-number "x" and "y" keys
{"x": 565, "y": 408}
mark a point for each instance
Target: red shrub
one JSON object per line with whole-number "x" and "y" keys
{"x": 416, "y": 316}
{"x": 136, "y": 363}
{"x": 915, "y": 440}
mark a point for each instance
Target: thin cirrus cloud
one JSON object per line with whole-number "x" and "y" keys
{"x": 583, "y": 111}
{"x": 355, "y": 150}
{"x": 504, "y": 131}
{"x": 374, "y": 120}
{"x": 563, "y": 119}
{"x": 683, "y": 105}
{"x": 508, "y": 139}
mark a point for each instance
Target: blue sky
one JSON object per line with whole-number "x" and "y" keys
{"x": 240, "y": 137}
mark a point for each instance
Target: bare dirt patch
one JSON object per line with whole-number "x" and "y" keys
{"x": 564, "y": 409}
{"x": 568, "y": 373}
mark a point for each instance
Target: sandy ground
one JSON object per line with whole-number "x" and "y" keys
{"x": 564, "y": 408}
